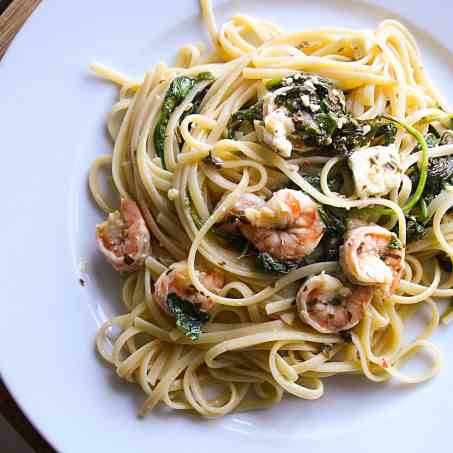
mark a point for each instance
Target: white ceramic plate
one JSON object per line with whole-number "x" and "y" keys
{"x": 52, "y": 123}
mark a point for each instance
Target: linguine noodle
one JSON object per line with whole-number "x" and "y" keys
{"x": 255, "y": 349}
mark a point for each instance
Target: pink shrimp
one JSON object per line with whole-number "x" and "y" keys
{"x": 177, "y": 281}
{"x": 373, "y": 256}
{"x": 324, "y": 303}
{"x": 287, "y": 226}
{"x": 124, "y": 238}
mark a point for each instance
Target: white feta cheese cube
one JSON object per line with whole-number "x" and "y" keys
{"x": 376, "y": 170}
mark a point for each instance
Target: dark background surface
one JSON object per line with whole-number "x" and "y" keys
{"x": 3, "y": 5}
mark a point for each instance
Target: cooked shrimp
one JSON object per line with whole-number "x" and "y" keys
{"x": 287, "y": 226}
{"x": 247, "y": 200}
{"x": 324, "y": 303}
{"x": 177, "y": 281}
{"x": 372, "y": 255}
{"x": 124, "y": 238}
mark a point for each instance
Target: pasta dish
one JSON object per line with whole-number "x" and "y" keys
{"x": 283, "y": 210}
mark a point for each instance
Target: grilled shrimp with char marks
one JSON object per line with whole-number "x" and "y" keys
{"x": 287, "y": 226}
{"x": 373, "y": 255}
{"x": 324, "y": 303}
{"x": 177, "y": 281}
{"x": 124, "y": 238}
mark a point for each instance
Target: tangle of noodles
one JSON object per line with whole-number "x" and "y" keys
{"x": 254, "y": 348}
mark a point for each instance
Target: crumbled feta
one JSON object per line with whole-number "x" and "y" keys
{"x": 309, "y": 84}
{"x": 376, "y": 170}
{"x": 275, "y": 128}
{"x": 341, "y": 122}
{"x": 366, "y": 129}
{"x": 305, "y": 100}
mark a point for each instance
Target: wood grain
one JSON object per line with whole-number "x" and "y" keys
{"x": 13, "y": 16}
{"x": 12, "y": 20}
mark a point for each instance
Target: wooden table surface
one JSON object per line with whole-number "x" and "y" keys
{"x": 13, "y": 14}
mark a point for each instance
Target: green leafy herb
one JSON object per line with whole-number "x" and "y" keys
{"x": 357, "y": 134}
{"x": 315, "y": 106}
{"x": 204, "y": 76}
{"x": 395, "y": 244}
{"x": 334, "y": 182}
{"x": 273, "y": 84}
{"x": 318, "y": 111}
{"x": 335, "y": 222}
{"x": 177, "y": 91}
{"x": 189, "y": 318}
{"x": 234, "y": 238}
{"x": 440, "y": 172}
{"x": 334, "y": 219}
{"x": 423, "y": 208}
{"x": 193, "y": 213}
{"x": 381, "y": 133}
{"x": 414, "y": 229}
{"x": 243, "y": 119}
{"x": 266, "y": 262}
{"x": 195, "y": 104}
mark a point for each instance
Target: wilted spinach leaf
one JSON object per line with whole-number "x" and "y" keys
{"x": 268, "y": 263}
{"x": 414, "y": 229}
{"x": 177, "y": 91}
{"x": 243, "y": 119}
{"x": 189, "y": 318}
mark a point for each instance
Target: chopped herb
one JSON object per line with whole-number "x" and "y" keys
{"x": 414, "y": 229}
{"x": 381, "y": 133}
{"x": 334, "y": 219}
{"x": 335, "y": 222}
{"x": 334, "y": 182}
{"x": 395, "y": 244}
{"x": 233, "y": 238}
{"x": 357, "y": 134}
{"x": 318, "y": 111}
{"x": 82, "y": 282}
{"x": 316, "y": 107}
{"x": 440, "y": 173}
{"x": 178, "y": 90}
{"x": 193, "y": 213}
{"x": 243, "y": 119}
{"x": 195, "y": 104}
{"x": 266, "y": 262}
{"x": 423, "y": 209}
{"x": 206, "y": 75}
{"x": 189, "y": 318}
{"x": 273, "y": 84}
